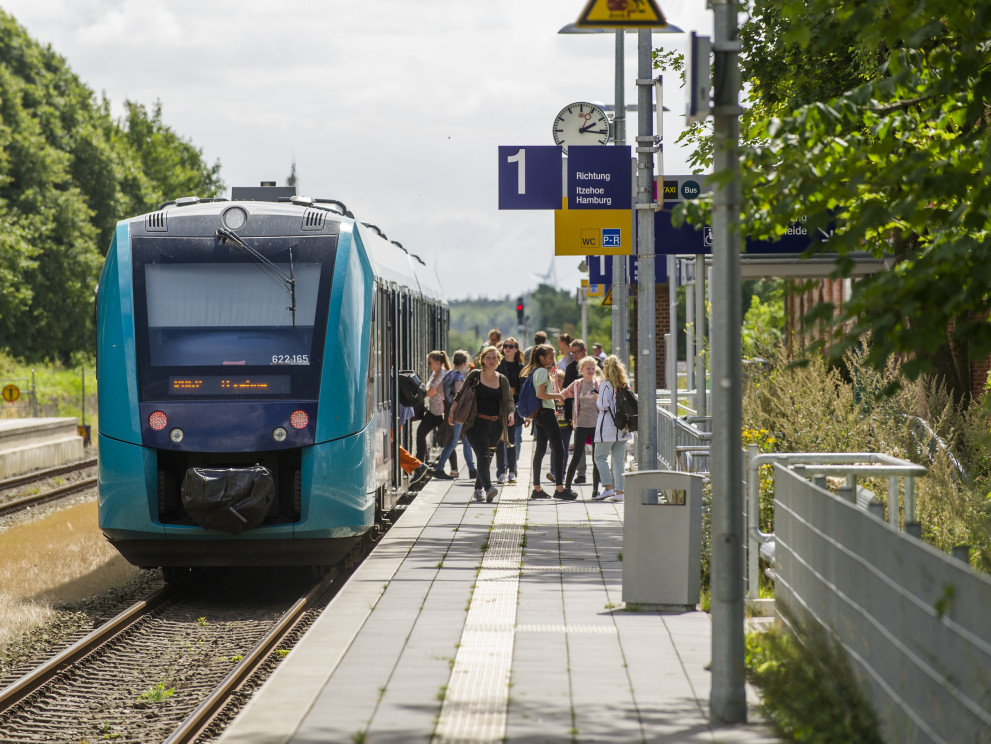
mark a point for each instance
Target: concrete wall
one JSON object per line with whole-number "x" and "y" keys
{"x": 31, "y": 444}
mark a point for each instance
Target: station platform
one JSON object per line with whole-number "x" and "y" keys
{"x": 28, "y": 444}
{"x": 493, "y": 622}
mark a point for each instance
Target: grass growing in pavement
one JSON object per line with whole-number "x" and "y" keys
{"x": 809, "y": 692}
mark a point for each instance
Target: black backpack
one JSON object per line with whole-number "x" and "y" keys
{"x": 412, "y": 391}
{"x": 627, "y": 410}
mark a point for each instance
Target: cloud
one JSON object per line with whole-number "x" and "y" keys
{"x": 395, "y": 107}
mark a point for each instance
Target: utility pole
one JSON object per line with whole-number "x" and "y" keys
{"x": 727, "y": 699}
{"x": 645, "y": 205}
{"x": 619, "y": 262}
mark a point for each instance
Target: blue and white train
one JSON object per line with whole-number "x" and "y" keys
{"x": 246, "y": 360}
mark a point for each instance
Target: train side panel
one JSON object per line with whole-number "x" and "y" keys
{"x": 340, "y": 468}
{"x": 117, "y": 393}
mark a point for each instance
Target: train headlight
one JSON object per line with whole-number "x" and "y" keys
{"x": 176, "y": 435}
{"x": 157, "y": 420}
{"x": 279, "y": 434}
{"x": 235, "y": 218}
{"x": 299, "y": 419}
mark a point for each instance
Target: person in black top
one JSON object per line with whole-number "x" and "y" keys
{"x": 491, "y": 414}
{"x": 510, "y": 366}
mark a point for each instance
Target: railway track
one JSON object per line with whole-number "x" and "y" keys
{"x": 11, "y": 501}
{"x": 160, "y": 671}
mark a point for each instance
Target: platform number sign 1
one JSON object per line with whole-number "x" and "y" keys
{"x": 530, "y": 177}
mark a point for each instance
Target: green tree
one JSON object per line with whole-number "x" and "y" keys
{"x": 873, "y": 116}
{"x": 68, "y": 172}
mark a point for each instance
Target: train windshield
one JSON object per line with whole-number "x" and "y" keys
{"x": 216, "y": 323}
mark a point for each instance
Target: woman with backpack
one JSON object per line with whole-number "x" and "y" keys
{"x": 545, "y": 421}
{"x": 610, "y": 441}
{"x": 453, "y": 382}
{"x": 584, "y": 416}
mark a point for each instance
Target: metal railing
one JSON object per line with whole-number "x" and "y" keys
{"x": 912, "y": 621}
{"x": 818, "y": 466}
{"x": 688, "y": 439}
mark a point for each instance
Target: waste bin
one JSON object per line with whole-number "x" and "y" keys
{"x": 662, "y": 539}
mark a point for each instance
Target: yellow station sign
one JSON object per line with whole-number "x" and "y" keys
{"x": 621, "y": 13}
{"x": 592, "y": 232}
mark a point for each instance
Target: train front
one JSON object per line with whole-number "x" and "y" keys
{"x": 233, "y": 349}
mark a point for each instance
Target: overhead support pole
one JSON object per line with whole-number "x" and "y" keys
{"x": 727, "y": 700}
{"x": 619, "y": 262}
{"x": 646, "y": 370}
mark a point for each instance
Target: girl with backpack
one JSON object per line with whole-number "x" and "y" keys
{"x": 545, "y": 421}
{"x": 584, "y": 416}
{"x": 610, "y": 441}
{"x": 453, "y": 382}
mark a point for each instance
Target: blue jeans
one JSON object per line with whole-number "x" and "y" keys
{"x": 465, "y": 448}
{"x": 615, "y": 451}
{"x": 516, "y": 437}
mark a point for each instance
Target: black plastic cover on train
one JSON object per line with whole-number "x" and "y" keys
{"x": 228, "y": 499}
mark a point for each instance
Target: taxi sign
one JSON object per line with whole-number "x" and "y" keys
{"x": 621, "y": 13}
{"x": 11, "y": 393}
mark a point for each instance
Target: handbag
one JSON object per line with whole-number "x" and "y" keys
{"x": 463, "y": 402}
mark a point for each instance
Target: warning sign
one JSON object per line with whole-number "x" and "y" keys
{"x": 11, "y": 393}
{"x": 621, "y": 13}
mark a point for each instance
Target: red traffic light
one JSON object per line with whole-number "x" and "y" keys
{"x": 519, "y": 307}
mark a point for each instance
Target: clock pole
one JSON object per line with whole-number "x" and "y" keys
{"x": 619, "y": 292}
{"x": 646, "y": 359}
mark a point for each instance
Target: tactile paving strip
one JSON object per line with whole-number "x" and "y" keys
{"x": 475, "y": 704}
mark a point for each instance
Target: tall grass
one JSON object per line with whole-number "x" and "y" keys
{"x": 809, "y": 692}
{"x": 817, "y": 408}
{"x": 57, "y": 559}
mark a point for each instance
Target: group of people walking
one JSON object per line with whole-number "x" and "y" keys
{"x": 585, "y": 386}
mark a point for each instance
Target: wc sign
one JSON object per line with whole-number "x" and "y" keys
{"x": 605, "y": 237}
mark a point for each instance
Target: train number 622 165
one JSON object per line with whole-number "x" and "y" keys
{"x": 290, "y": 359}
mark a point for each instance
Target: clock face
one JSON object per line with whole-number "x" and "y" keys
{"x": 581, "y": 124}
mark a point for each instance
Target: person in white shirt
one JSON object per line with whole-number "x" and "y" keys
{"x": 610, "y": 442}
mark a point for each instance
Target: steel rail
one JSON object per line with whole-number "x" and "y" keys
{"x": 34, "y": 680}
{"x": 197, "y": 722}
{"x": 20, "y": 480}
{"x": 41, "y": 498}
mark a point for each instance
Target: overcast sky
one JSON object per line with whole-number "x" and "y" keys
{"x": 395, "y": 107}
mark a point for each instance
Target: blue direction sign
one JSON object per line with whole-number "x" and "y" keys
{"x": 599, "y": 177}
{"x": 530, "y": 177}
{"x": 688, "y": 239}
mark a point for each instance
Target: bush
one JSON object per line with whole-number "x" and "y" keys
{"x": 813, "y": 407}
{"x": 809, "y": 692}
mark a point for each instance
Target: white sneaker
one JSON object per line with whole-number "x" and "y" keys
{"x": 479, "y": 494}
{"x": 609, "y": 492}
{"x": 617, "y": 497}
{"x": 512, "y": 477}
{"x": 502, "y": 479}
